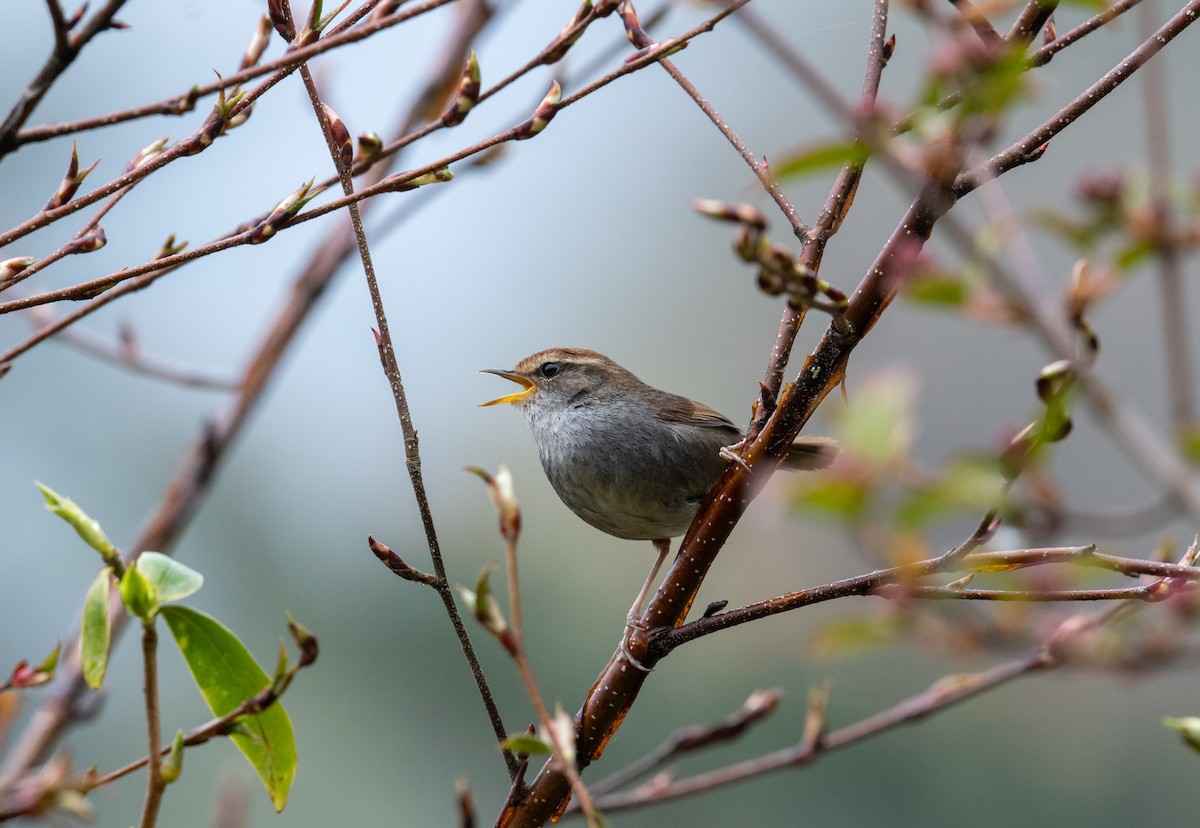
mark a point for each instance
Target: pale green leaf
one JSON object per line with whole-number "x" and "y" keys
{"x": 169, "y": 579}
{"x": 93, "y": 635}
{"x": 228, "y": 675}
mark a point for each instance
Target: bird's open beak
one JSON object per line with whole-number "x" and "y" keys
{"x": 526, "y": 384}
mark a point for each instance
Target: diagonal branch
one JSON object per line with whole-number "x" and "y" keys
{"x": 66, "y": 49}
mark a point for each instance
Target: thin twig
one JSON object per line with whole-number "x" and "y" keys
{"x": 873, "y": 583}
{"x": 942, "y": 695}
{"x": 185, "y": 148}
{"x": 127, "y": 355}
{"x": 62, "y": 43}
{"x": 185, "y": 492}
{"x": 841, "y": 195}
{"x": 66, "y": 49}
{"x": 686, "y": 740}
{"x": 478, "y": 15}
{"x": 70, "y": 246}
{"x": 342, "y": 35}
{"x": 391, "y": 184}
{"x": 154, "y": 781}
{"x": 1176, "y": 322}
{"x": 1044, "y": 55}
{"x": 1026, "y": 149}
{"x": 977, "y": 20}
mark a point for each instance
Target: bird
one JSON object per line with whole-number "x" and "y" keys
{"x": 633, "y": 461}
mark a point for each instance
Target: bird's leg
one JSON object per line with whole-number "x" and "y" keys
{"x": 662, "y": 546}
{"x": 730, "y": 453}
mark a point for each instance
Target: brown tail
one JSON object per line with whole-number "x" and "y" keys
{"x": 811, "y": 453}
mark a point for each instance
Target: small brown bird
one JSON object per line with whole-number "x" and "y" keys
{"x": 629, "y": 459}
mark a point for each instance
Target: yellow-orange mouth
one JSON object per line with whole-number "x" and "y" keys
{"x": 526, "y": 384}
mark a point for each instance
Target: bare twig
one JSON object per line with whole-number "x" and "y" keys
{"x": 473, "y": 20}
{"x": 759, "y": 705}
{"x": 66, "y": 48}
{"x": 190, "y": 146}
{"x": 1026, "y": 149}
{"x": 943, "y": 694}
{"x": 841, "y": 195}
{"x": 154, "y": 780}
{"x": 1176, "y": 325}
{"x": 128, "y": 355}
{"x": 878, "y": 582}
{"x": 1043, "y": 55}
{"x": 391, "y": 184}
{"x": 183, "y": 495}
{"x": 341, "y": 35}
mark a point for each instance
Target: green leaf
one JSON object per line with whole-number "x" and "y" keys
{"x": 835, "y": 497}
{"x": 1082, "y": 235}
{"x": 1189, "y": 444}
{"x": 844, "y": 636}
{"x": 50, "y": 663}
{"x": 1133, "y": 254}
{"x": 169, "y": 579}
{"x": 937, "y": 290}
{"x": 87, "y": 528}
{"x": 137, "y": 595}
{"x": 93, "y": 635}
{"x": 877, "y": 425}
{"x": 525, "y": 744}
{"x": 968, "y": 485}
{"x": 819, "y": 157}
{"x": 1189, "y": 729}
{"x": 228, "y": 675}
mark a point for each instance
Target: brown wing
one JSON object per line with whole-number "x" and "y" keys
{"x": 675, "y": 409}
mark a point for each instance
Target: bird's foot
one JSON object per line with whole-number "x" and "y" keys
{"x": 635, "y": 622}
{"x": 730, "y": 454}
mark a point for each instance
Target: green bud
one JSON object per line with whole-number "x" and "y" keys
{"x": 137, "y": 594}
{"x": 86, "y": 527}
{"x": 172, "y": 765}
{"x": 1189, "y": 729}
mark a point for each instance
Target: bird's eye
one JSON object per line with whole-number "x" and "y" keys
{"x": 549, "y": 369}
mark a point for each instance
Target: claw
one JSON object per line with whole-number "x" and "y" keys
{"x": 729, "y": 453}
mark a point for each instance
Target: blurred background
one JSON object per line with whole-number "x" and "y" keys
{"x": 582, "y": 237}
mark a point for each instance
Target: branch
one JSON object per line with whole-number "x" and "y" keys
{"x": 180, "y": 104}
{"x": 66, "y": 49}
{"x": 943, "y": 694}
{"x": 1027, "y": 149}
{"x": 127, "y": 354}
{"x": 903, "y": 577}
{"x": 184, "y": 493}
{"x": 841, "y": 196}
{"x": 393, "y": 183}
{"x": 154, "y": 780}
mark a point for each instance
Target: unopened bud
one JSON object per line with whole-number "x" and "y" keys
{"x": 258, "y": 42}
{"x": 281, "y": 19}
{"x": 305, "y": 641}
{"x": 340, "y": 138}
{"x": 11, "y": 267}
{"x": 170, "y": 247}
{"x": 487, "y": 611}
{"x": 172, "y": 766}
{"x": 284, "y": 212}
{"x": 504, "y": 498}
{"x": 89, "y": 242}
{"x": 369, "y": 146}
{"x": 145, "y": 154}
{"x": 394, "y": 183}
{"x": 637, "y": 35}
{"x": 542, "y": 116}
{"x": 71, "y": 181}
{"x": 468, "y": 93}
